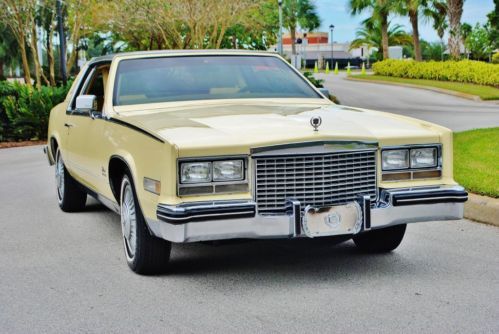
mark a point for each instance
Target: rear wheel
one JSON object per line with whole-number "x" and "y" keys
{"x": 145, "y": 253}
{"x": 70, "y": 196}
{"x": 380, "y": 241}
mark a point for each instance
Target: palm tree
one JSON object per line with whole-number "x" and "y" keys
{"x": 414, "y": 9}
{"x": 466, "y": 30}
{"x": 455, "y": 11}
{"x": 299, "y": 13}
{"x": 379, "y": 10}
{"x": 370, "y": 35}
{"x": 437, "y": 11}
{"x": 411, "y": 8}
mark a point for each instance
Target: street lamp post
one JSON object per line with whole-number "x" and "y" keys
{"x": 332, "y": 43}
{"x": 279, "y": 46}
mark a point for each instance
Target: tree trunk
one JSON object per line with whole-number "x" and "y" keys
{"x": 1, "y": 69}
{"x": 384, "y": 36}
{"x": 24, "y": 58}
{"x": 50, "y": 57}
{"x": 34, "y": 54}
{"x": 72, "y": 57}
{"x": 455, "y": 11}
{"x": 413, "y": 16}
{"x": 292, "y": 32}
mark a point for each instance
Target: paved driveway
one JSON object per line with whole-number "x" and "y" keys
{"x": 66, "y": 273}
{"x": 453, "y": 112}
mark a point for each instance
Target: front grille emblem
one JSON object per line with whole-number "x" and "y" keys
{"x": 316, "y": 121}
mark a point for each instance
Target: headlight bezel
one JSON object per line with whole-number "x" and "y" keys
{"x": 412, "y": 172}
{"x": 392, "y": 150}
{"x": 213, "y": 186}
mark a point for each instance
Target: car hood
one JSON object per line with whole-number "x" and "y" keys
{"x": 239, "y": 126}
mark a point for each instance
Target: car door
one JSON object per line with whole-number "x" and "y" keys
{"x": 86, "y": 133}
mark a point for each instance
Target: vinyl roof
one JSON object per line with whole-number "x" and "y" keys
{"x": 110, "y": 57}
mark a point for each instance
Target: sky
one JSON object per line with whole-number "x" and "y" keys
{"x": 336, "y": 12}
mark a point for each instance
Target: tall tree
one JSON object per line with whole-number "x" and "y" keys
{"x": 415, "y": 9}
{"x": 370, "y": 35}
{"x": 454, "y": 12}
{"x": 466, "y": 30}
{"x": 379, "y": 10}
{"x": 437, "y": 12}
{"x": 493, "y": 20}
{"x": 177, "y": 24}
{"x": 299, "y": 13}
{"x": 46, "y": 19}
{"x": 15, "y": 14}
{"x": 9, "y": 50}
{"x": 478, "y": 42}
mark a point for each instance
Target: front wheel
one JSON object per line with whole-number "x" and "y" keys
{"x": 70, "y": 196}
{"x": 145, "y": 253}
{"x": 380, "y": 241}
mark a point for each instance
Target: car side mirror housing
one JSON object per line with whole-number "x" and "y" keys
{"x": 86, "y": 104}
{"x": 324, "y": 92}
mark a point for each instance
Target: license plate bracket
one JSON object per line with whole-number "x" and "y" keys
{"x": 332, "y": 220}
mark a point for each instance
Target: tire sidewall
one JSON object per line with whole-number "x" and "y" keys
{"x": 60, "y": 196}
{"x": 132, "y": 261}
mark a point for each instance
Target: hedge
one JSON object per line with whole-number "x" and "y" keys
{"x": 469, "y": 71}
{"x": 24, "y": 111}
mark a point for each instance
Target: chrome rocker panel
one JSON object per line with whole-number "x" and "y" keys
{"x": 220, "y": 220}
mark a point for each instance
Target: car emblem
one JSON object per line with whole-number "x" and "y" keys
{"x": 316, "y": 121}
{"x": 333, "y": 220}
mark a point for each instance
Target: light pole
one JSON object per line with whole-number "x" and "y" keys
{"x": 332, "y": 43}
{"x": 279, "y": 45}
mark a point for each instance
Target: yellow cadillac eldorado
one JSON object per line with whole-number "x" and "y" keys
{"x": 194, "y": 146}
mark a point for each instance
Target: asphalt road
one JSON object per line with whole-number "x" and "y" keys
{"x": 453, "y": 112}
{"x": 66, "y": 273}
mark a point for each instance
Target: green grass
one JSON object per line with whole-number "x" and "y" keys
{"x": 484, "y": 92}
{"x": 476, "y": 160}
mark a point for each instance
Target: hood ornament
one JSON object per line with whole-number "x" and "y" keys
{"x": 316, "y": 121}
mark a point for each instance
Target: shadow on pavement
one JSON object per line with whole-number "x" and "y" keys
{"x": 300, "y": 259}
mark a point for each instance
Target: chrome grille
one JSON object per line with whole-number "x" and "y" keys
{"x": 317, "y": 180}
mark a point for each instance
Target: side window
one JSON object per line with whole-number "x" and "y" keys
{"x": 96, "y": 87}
{"x": 92, "y": 83}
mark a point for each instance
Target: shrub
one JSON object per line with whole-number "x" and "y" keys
{"x": 316, "y": 82}
{"x": 319, "y": 83}
{"x": 461, "y": 71}
{"x": 24, "y": 111}
{"x": 495, "y": 58}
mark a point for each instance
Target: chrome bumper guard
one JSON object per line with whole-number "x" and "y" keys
{"x": 220, "y": 220}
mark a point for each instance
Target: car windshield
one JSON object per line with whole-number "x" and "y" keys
{"x": 152, "y": 80}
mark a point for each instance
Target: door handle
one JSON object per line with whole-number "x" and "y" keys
{"x": 68, "y": 125}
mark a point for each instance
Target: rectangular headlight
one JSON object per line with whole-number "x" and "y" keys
{"x": 424, "y": 157}
{"x": 395, "y": 159}
{"x": 195, "y": 172}
{"x": 229, "y": 170}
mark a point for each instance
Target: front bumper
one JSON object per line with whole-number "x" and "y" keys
{"x": 220, "y": 220}
{"x": 48, "y": 155}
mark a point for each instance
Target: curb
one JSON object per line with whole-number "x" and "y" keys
{"x": 482, "y": 209}
{"x": 434, "y": 89}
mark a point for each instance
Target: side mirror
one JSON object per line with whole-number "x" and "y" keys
{"x": 86, "y": 104}
{"x": 324, "y": 92}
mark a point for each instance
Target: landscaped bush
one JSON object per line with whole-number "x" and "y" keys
{"x": 24, "y": 111}
{"x": 495, "y": 58}
{"x": 461, "y": 71}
